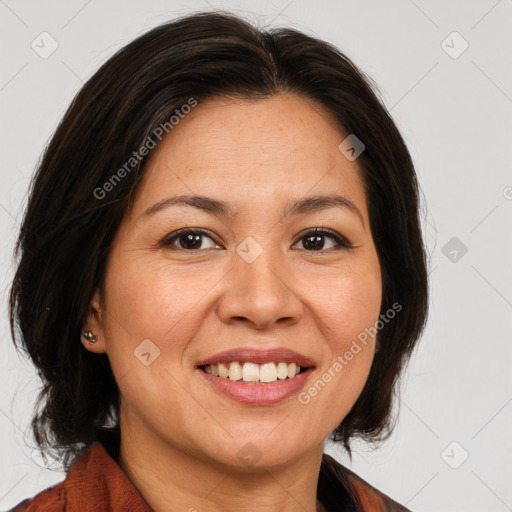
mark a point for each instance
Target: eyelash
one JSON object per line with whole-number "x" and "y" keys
{"x": 342, "y": 242}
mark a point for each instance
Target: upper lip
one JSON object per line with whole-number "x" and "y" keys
{"x": 243, "y": 355}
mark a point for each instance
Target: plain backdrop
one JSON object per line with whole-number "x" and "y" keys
{"x": 443, "y": 69}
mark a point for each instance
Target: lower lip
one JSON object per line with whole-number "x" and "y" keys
{"x": 258, "y": 394}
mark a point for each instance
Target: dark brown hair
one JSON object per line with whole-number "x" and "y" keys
{"x": 68, "y": 229}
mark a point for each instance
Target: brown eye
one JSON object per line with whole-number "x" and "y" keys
{"x": 195, "y": 239}
{"x": 189, "y": 240}
{"x": 314, "y": 240}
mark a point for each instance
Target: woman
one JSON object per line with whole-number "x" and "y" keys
{"x": 221, "y": 267}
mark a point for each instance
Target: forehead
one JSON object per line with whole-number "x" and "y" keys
{"x": 269, "y": 149}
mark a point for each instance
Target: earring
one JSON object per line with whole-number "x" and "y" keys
{"x": 89, "y": 336}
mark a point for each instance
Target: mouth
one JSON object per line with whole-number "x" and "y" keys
{"x": 251, "y": 373}
{"x": 255, "y": 377}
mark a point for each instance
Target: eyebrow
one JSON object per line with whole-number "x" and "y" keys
{"x": 222, "y": 209}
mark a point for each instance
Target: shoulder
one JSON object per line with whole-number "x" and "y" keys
{"x": 94, "y": 482}
{"x": 51, "y": 499}
{"x": 57, "y": 497}
{"x": 54, "y": 498}
{"x": 365, "y": 497}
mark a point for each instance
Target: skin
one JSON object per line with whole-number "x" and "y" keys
{"x": 180, "y": 437}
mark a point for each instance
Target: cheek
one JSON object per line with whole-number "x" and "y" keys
{"x": 349, "y": 312}
{"x": 152, "y": 301}
{"x": 348, "y": 304}
{"x": 148, "y": 302}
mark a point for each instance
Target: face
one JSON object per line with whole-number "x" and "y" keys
{"x": 251, "y": 275}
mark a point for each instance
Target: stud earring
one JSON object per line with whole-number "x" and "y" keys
{"x": 89, "y": 336}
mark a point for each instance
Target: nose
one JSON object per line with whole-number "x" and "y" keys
{"x": 260, "y": 294}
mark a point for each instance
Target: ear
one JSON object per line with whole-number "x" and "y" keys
{"x": 94, "y": 323}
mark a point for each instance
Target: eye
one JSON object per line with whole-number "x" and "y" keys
{"x": 189, "y": 239}
{"x": 315, "y": 240}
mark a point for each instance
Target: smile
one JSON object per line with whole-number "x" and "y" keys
{"x": 253, "y": 373}
{"x": 256, "y": 391}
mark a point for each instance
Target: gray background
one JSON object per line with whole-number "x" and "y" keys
{"x": 455, "y": 114}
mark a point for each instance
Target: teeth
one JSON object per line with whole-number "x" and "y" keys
{"x": 268, "y": 372}
{"x": 223, "y": 370}
{"x": 282, "y": 371}
{"x": 235, "y": 371}
{"x": 252, "y": 372}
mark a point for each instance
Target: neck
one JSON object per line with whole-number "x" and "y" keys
{"x": 171, "y": 479}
